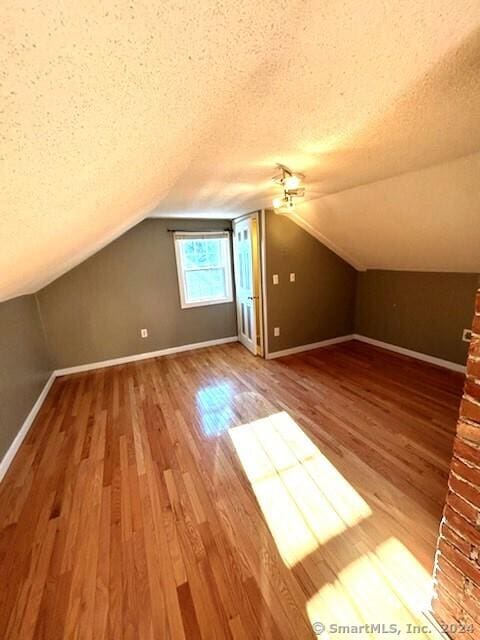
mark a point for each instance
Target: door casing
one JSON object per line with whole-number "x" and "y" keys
{"x": 254, "y": 220}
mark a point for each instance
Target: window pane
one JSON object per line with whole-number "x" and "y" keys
{"x": 188, "y": 248}
{"x": 208, "y": 284}
{"x": 205, "y": 274}
{"x": 202, "y": 253}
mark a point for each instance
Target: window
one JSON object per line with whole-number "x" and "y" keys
{"x": 204, "y": 268}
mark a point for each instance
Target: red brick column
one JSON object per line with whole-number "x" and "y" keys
{"x": 457, "y": 563}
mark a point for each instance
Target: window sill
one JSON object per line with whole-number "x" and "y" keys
{"x": 205, "y": 303}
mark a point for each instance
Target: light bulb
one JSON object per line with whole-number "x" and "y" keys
{"x": 292, "y": 182}
{"x": 277, "y": 203}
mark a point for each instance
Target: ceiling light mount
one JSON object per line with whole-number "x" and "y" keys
{"x": 291, "y": 185}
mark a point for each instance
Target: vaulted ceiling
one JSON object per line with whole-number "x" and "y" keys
{"x": 114, "y": 111}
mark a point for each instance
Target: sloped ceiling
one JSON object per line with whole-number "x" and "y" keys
{"x": 114, "y": 111}
{"x": 426, "y": 220}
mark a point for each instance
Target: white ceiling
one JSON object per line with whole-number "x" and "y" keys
{"x": 426, "y": 220}
{"x": 111, "y": 111}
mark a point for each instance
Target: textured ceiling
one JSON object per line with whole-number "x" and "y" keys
{"x": 111, "y": 110}
{"x": 426, "y": 220}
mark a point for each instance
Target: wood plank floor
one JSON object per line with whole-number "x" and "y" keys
{"x": 212, "y": 494}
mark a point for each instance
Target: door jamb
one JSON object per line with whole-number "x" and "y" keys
{"x": 259, "y": 218}
{"x": 263, "y": 263}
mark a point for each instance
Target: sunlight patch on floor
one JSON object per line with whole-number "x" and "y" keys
{"x": 386, "y": 586}
{"x": 213, "y": 403}
{"x": 304, "y": 499}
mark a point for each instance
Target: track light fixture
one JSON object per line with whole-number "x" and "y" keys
{"x": 290, "y": 183}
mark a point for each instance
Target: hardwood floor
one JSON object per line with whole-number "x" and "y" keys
{"x": 217, "y": 495}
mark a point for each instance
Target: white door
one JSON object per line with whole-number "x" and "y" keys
{"x": 247, "y": 301}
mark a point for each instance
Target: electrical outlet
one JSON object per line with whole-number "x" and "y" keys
{"x": 144, "y": 333}
{"x": 276, "y": 331}
{"x": 467, "y": 335}
{"x": 292, "y": 277}
{"x": 275, "y": 278}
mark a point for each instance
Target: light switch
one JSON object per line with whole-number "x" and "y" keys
{"x": 144, "y": 333}
{"x": 276, "y": 331}
{"x": 275, "y": 278}
{"x": 292, "y": 277}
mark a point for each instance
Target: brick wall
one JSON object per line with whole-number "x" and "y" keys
{"x": 457, "y": 566}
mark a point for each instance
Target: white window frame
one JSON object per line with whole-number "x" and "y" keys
{"x": 227, "y": 262}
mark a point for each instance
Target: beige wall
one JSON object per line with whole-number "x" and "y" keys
{"x": 24, "y": 365}
{"x": 423, "y": 311}
{"x": 96, "y": 311}
{"x": 320, "y": 303}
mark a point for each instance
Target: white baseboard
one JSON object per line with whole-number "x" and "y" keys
{"x": 144, "y": 356}
{"x": 453, "y": 366}
{"x": 19, "y": 438}
{"x": 308, "y": 347}
{"x": 24, "y": 429}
